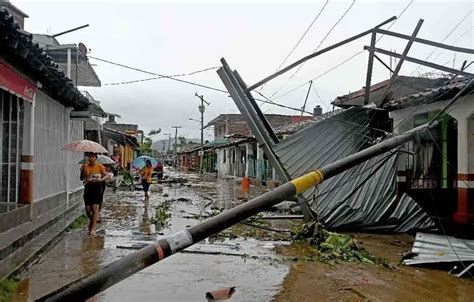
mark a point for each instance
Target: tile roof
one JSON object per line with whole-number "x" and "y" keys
{"x": 18, "y": 49}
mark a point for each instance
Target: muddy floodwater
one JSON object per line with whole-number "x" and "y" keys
{"x": 248, "y": 264}
{"x": 259, "y": 263}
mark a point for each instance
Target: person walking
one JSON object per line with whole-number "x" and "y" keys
{"x": 146, "y": 173}
{"x": 93, "y": 175}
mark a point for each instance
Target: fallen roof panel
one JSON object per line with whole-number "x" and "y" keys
{"x": 433, "y": 248}
{"x": 363, "y": 197}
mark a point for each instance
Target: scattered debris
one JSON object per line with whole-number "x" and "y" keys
{"x": 162, "y": 215}
{"x": 165, "y": 195}
{"x": 179, "y": 180}
{"x": 433, "y": 248}
{"x": 79, "y": 222}
{"x": 7, "y": 288}
{"x": 330, "y": 247}
{"x": 221, "y": 294}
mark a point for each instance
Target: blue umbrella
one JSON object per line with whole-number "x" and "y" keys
{"x": 140, "y": 162}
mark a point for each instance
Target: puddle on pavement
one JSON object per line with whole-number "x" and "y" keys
{"x": 250, "y": 265}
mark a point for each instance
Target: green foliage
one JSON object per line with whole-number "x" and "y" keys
{"x": 79, "y": 222}
{"x": 7, "y": 288}
{"x": 162, "y": 215}
{"x": 330, "y": 247}
{"x": 154, "y": 132}
{"x": 145, "y": 147}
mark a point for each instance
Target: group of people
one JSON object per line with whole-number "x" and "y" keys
{"x": 94, "y": 177}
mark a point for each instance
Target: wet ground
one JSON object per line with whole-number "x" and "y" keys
{"x": 250, "y": 265}
{"x": 315, "y": 281}
{"x": 258, "y": 263}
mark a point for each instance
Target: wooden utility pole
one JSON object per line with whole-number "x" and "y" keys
{"x": 176, "y": 145}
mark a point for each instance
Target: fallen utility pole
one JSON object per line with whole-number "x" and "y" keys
{"x": 114, "y": 272}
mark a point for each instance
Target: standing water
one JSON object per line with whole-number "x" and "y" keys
{"x": 234, "y": 258}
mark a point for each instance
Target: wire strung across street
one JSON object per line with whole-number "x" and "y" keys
{"x": 445, "y": 38}
{"x": 321, "y": 42}
{"x": 302, "y": 37}
{"x": 346, "y": 60}
{"x": 159, "y": 75}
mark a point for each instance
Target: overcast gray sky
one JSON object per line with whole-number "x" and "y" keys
{"x": 182, "y": 37}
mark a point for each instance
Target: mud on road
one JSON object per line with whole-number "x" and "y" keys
{"x": 230, "y": 259}
{"x": 259, "y": 263}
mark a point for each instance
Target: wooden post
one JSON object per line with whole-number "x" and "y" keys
{"x": 370, "y": 66}
{"x": 402, "y": 59}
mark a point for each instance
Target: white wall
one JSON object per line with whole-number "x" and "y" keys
{"x": 463, "y": 112}
{"x": 52, "y": 165}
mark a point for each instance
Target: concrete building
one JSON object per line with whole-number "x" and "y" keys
{"x": 41, "y": 193}
{"x": 236, "y": 153}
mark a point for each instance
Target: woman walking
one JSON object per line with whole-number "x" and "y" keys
{"x": 146, "y": 174}
{"x": 94, "y": 176}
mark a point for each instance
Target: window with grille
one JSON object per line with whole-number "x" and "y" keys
{"x": 11, "y": 113}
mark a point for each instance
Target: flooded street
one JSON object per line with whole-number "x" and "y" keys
{"x": 261, "y": 264}
{"x": 250, "y": 265}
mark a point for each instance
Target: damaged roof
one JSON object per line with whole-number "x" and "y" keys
{"x": 18, "y": 49}
{"x": 440, "y": 93}
{"x": 363, "y": 197}
{"x": 402, "y": 86}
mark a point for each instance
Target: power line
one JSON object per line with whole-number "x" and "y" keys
{"x": 320, "y": 43}
{"x": 158, "y": 78}
{"x": 445, "y": 38}
{"x": 304, "y": 34}
{"x": 319, "y": 76}
{"x": 326, "y": 36}
{"x": 343, "y": 62}
{"x": 398, "y": 18}
{"x": 158, "y": 75}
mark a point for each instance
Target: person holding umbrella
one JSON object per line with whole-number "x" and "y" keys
{"x": 94, "y": 175}
{"x": 146, "y": 173}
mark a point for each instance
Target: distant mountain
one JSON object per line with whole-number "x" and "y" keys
{"x": 159, "y": 145}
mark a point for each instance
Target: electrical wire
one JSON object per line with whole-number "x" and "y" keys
{"x": 343, "y": 62}
{"x": 436, "y": 208}
{"x": 158, "y": 75}
{"x": 398, "y": 18}
{"x": 302, "y": 37}
{"x": 321, "y": 42}
{"x": 326, "y": 36}
{"x": 445, "y": 38}
{"x": 161, "y": 77}
{"x": 318, "y": 76}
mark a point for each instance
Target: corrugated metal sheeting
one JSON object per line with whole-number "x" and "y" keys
{"x": 361, "y": 198}
{"x": 50, "y": 160}
{"x": 432, "y": 248}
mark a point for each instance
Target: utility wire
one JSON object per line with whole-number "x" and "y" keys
{"x": 319, "y": 76}
{"x": 325, "y": 37}
{"x": 161, "y": 77}
{"x": 157, "y": 74}
{"x": 321, "y": 42}
{"x": 445, "y": 38}
{"x": 304, "y": 34}
{"x": 343, "y": 62}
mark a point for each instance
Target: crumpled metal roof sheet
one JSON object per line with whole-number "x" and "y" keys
{"x": 433, "y": 248}
{"x": 363, "y": 197}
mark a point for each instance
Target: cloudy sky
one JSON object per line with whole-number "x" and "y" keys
{"x": 255, "y": 37}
